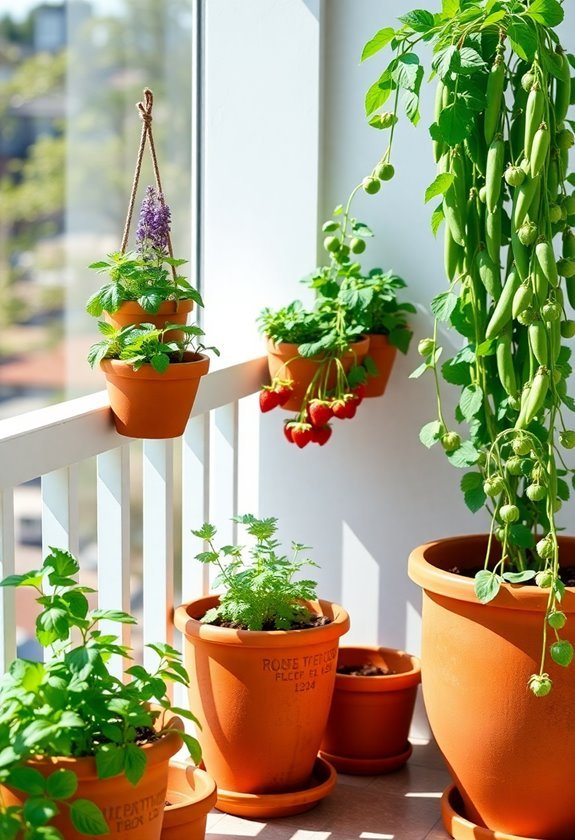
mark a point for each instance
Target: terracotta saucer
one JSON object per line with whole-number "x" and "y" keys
{"x": 368, "y": 766}
{"x": 460, "y": 828}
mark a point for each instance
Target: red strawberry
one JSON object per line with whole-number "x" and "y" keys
{"x": 284, "y": 391}
{"x": 321, "y": 435}
{"x": 268, "y": 399}
{"x": 350, "y": 409}
{"x": 301, "y": 434}
{"x": 359, "y": 392}
{"x": 319, "y": 412}
{"x": 339, "y": 409}
{"x": 288, "y": 430}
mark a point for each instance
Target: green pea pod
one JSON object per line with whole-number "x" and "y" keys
{"x": 546, "y": 258}
{"x": 453, "y": 255}
{"x": 521, "y": 254}
{"x": 504, "y": 359}
{"x": 516, "y": 135}
{"x": 476, "y": 149}
{"x": 563, "y": 90}
{"x": 495, "y": 85}
{"x": 554, "y": 339}
{"x": 454, "y": 215}
{"x": 489, "y": 273}
{"x": 540, "y": 284}
{"x": 460, "y": 182}
{"x": 570, "y": 286}
{"x": 523, "y": 199}
{"x": 493, "y": 234}
{"x": 537, "y": 393}
{"x": 539, "y": 150}
{"x": 538, "y": 341}
{"x": 563, "y": 163}
{"x": 473, "y": 226}
{"x": 553, "y": 177}
{"x": 502, "y": 312}
{"x": 525, "y": 394}
{"x": 533, "y": 116}
{"x": 568, "y": 244}
{"x": 439, "y": 145}
{"x": 494, "y": 172}
{"x": 522, "y": 298}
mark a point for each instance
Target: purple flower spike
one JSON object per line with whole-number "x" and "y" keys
{"x": 153, "y": 225}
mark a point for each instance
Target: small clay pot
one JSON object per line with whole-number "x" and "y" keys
{"x": 191, "y": 795}
{"x": 383, "y": 354}
{"x": 170, "y": 312}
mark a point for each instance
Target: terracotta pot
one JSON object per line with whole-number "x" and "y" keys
{"x": 170, "y": 312}
{"x": 148, "y": 404}
{"x": 132, "y": 812}
{"x": 383, "y": 354}
{"x": 285, "y": 362}
{"x": 511, "y": 754}
{"x": 191, "y": 794}
{"x": 370, "y": 717}
{"x": 262, "y": 697}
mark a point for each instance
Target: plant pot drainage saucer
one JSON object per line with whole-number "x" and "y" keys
{"x": 368, "y": 766}
{"x": 460, "y": 828}
{"x": 254, "y": 805}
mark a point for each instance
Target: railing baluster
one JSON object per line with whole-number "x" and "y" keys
{"x": 7, "y": 596}
{"x": 195, "y": 504}
{"x": 60, "y": 509}
{"x": 224, "y": 471}
{"x": 113, "y": 531}
{"x": 158, "y": 559}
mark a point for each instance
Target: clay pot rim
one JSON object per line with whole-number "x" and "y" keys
{"x": 167, "y": 306}
{"x": 378, "y": 682}
{"x": 197, "y": 801}
{"x": 285, "y": 347}
{"x": 192, "y": 366}
{"x": 186, "y": 619}
{"x": 84, "y": 767}
{"x": 424, "y": 568}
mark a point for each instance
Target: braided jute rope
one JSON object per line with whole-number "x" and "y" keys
{"x": 145, "y": 109}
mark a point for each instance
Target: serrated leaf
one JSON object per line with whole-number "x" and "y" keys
{"x": 110, "y": 760}
{"x": 420, "y": 20}
{"x": 87, "y": 818}
{"x": 113, "y": 615}
{"x": 135, "y": 763}
{"x": 471, "y": 401}
{"x": 473, "y": 492}
{"x": 455, "y": 121}
{"x": 378, "y": 94}
{"x": 487, "y": 585}
{"x": 547, "y": 12}
{"x": 407, "y": 71}
{"x": 380, "y": 40}
{"x": 521, "y": 536}
{"x": 28, "y": 780}
{"x": 522, "y": 38}
{"x": 562, "y": 652}
{"x": 443, "y": 305}
{"x": 437, "y": 218}
{"x": 470, "y": 60}
{"x": 61, "y": 784}
{"x": 411, "y": 105}
{"x": 466, "y": 456}
{"x": 38, "y": 810}
{"x": 431, "y": 433}
{"x": 439, "y": 187}
{"x": 449, "y": 8}
{"x": 446, "y": 61}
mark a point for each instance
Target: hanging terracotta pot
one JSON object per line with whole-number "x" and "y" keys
{"x": 285, "y": 362}
{"x": 370, "y": 716}
{"x": 262, "y": 698}
{"x": 383, "y": 354}
{"x": 511, "y": 754}
{"x": 148, "y": 404}
{"x": 133, "y": 812}
{"x": 170, "y": 312}
{"x": 191, "y": 794}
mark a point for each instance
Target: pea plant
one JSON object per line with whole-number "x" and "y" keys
{"x": 72, "y": 706}
{"x": 501, "y": 141}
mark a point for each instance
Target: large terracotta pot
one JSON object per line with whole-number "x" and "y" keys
{"x": 370, "y": 716}
{"x": 132, "y": 812}
{"x": 383, "y": 354}
{"x": 148, "y": 404}
{"x": 262, "y": 697}
{"x": 285, "y": 362}
{"x": 511, "y": 754}
{"x": 170, "y": 312}
{"x": 191, "y": 794}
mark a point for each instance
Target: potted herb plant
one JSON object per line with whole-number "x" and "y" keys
{"x": 261, "y": 658}
{"x": 81, "y": 751}
{"x": 497, "y": 641}
{"x": 152, "y": 378}
{"x": 371, "y": 710}
{"x": 324, "y": 361}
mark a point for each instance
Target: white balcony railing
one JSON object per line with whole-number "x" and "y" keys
{"x": 50, "y": 444}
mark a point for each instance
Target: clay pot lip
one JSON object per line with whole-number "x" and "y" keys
{"x": 424, "y": 568}
{"x": 132, "y": 307}
{"x": 197, "y": 799}
{"x": 382, "y": 682}
{"x": 194, "y": 365}
{"x": 85, "y": 766}
{"x": 359, "y": 347}
{"x": 381, "y": 340}
{"x": 186, "y": 619}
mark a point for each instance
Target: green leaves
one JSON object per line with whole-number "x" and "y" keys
{"x": 420, "y": 20}
{"x": 443, "y": 305}
{"x": 523, "y": 38}
{"x": 471, "y": 401}
{"x": 562, "y": 652}
{"x": 547, "y": 12}
{"x": 380, "y": 40}
{"x": 473, "y": 492}
{"x": 439, "y": 187}
{"x": 454, "y": 122}
{"x": 87, "y": 818}
{"x": 431, "y": 433}
{"x": 487, "y": 585}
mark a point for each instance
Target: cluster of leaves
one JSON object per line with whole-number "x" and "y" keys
{"x": 260, "y": 592}
{"x": 72, "y": 706}
{"x": 501, "y": 142}
{"x": 145, "y": 344}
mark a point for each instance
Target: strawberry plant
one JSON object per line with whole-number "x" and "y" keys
{"x": 70, "y": 705}
{"x": 501, "y": 138}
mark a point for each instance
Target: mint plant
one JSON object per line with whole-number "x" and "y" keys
{"x": 143, "y": 344}
{"x": 260, "y": 592}
{"x": 72, "y": 706}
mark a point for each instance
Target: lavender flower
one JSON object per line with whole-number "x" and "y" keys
{"x": 153, "y": 225}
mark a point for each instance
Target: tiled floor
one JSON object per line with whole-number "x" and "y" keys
{"x": 399, "y": 806}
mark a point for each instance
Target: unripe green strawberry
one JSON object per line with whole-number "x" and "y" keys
{"x": 525, "y": 166}
{"x": 567, "y": 439}
{"x": 567, "y": 329}
{"x": 538, "y": 474}
{"x": 385, "y": 120}
{"x": 371, "y": 185}
{"x": 500, "y": 534}
{"x": 514, "y": 176}
{"x": 384, "y": 171}
{"x": 566, "y": 268}
{"x": 509, "y": 513}
{"x": 569, "y": 204}
{"x": 557, "y": 619}
{"x": 426, "y": 347}
{"x": 545, "y": 549}
{"x": 330, "y": 226}
{"x": 331, "y": 244}
{"x": 564, "y": 139}
{"x": 544, "y": 579}
{"x": 450, "y": 441}
{"x": 527, "y": 233}
{"x": 521, "y": 445}
{"x": 494, "y": 485}
{"x": 554, "y": 213}
{"x": 357, "y": 245}
{"x": 527, "y": 316}
{"x": 551, "y": 311}
{"x": 540, "y": 684}
{"x": 513, "y": 465}
{"x": 562, "y": 652}
{"x": 527, "y": 81}
{"x": 482, "y": 194}
{"x": 536, "y": 492}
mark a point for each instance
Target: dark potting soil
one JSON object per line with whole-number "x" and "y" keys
{"x": 313, "y": 621}
{"x": 366, "y": 670}
{"x": 567, "y": 574}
